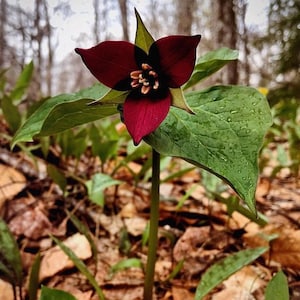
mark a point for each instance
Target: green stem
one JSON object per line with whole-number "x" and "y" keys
{"x": 153, "y": 232}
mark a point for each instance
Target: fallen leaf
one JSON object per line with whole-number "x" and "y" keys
{"x": 55, "y": 260}
{"x": 6, "y": 290}
{"x": 241, "y": 285}
{"x": 285, "y": 249}
{"x": 12, "y": 182}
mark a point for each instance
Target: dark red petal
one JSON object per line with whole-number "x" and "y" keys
{"x": 177, "y": 55}
{"x": 142, "y": 116}
{"x": 110, "y": 62}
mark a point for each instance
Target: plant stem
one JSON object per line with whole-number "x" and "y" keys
{"x": 153, "y": 232}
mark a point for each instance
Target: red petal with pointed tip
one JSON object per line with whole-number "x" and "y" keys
{"x": 110, "y": 62}
{"x": 142, "y": 116}
{"x": 177, "y": 55}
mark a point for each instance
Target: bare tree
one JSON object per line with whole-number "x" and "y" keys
{"x": 124, "y": 17}
{"x": 97, "y": 21}
{"x": 2, "y": 32}
{"x": 185, "y": 17}
{"x": 225, "y": 32}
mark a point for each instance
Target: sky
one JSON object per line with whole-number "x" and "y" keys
{"x": 80, "y": 22}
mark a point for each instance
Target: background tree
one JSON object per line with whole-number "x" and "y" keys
{"x": 225, "y": 32}
{"x": 283, "y": 41}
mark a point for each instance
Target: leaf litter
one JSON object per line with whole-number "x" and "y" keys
{"x": 200, "y": 232}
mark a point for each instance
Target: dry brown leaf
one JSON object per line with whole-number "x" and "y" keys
{"x": 55, "y": 260}
{"x": 6, "y": 290}
{"x": 241, "y": 285}
{"x": 32, "y": 223}
{"x": 284, "y": 250}
{"x": 12, "y": 182}
{"x": 180, "y": 293}
{"x": 136, "y": 225}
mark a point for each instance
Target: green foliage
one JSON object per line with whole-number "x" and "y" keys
{"x": 125, "y": 264}
{"x": 9, "y": 108}
{"x": 278, "y": 288}
{"x": 66, "y": 111}
{"x": 10, "y": 259}
{"x": 226, "y": 267}
{"x": 227, "y": 129}
{"x": 54, "y": 294}
{"x": 285, "y": 131}
{"x": 210, "y": 63}
{"x": 97, "y": 185}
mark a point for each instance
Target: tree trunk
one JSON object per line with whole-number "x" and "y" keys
{"x": 97, "y": 21}
{"x": 184, "y": 12}
{"x": 123, "y": 9}
{"x": 50, "y": 50}
{"x": 2, "y": 32}
{"x": 225, "y": 31}
{"x": 38, "y": 38}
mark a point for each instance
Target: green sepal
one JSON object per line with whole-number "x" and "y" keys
{"x": 178, "y": 99}
{"x": 143, "y": 38}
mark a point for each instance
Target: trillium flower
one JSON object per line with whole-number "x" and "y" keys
{"x": 148, "y": 77}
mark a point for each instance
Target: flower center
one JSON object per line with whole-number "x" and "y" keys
{"x": 145, "y": 79}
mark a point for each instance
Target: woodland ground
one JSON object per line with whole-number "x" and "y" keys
{"x": 197, "y": 229}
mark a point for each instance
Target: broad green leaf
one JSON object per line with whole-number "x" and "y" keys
{"x": 22, "y": 83}
{"x": 54, "y": 294}
{"x": 10, "y": 259}
{"x": 224, "y": 135}
{"x": 143, "y": 38}
{"x": 80, "y": 266}
{"x": 210, "y": 63}
{"x": 226, "y": 267}
{"x": 278, "y": 288}
{"x": 125, "y": 264}
{"x": 74, "y": 109}
{"x": 33, "y": 285}
{"x": 97, "y": 185}
{"x": 11, "y": 113}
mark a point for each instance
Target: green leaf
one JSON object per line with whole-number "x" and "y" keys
{"x": 54, "y": 294}
{"x": 143, "y": 38}
{"x": 210, "y": 63}
{"x": 226, "y": 267}
{"x": 80, "y": 266}
{"x": 278, "y": 288}
{"x": 22, "y": 83}
{"x": 125, "y": 264}
{"x": 10, "y": 259}
{"x": 97, "y": 185}
{"x": 71, "y": 109}
{"x": 11, "y": 113}
{"x": 224, "y": 135}
{"x": 33, "y": 285}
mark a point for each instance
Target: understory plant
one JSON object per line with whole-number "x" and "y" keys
{"x": 148, "y": 84}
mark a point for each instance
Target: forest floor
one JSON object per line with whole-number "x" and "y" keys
{"x": 199, "y": 230}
